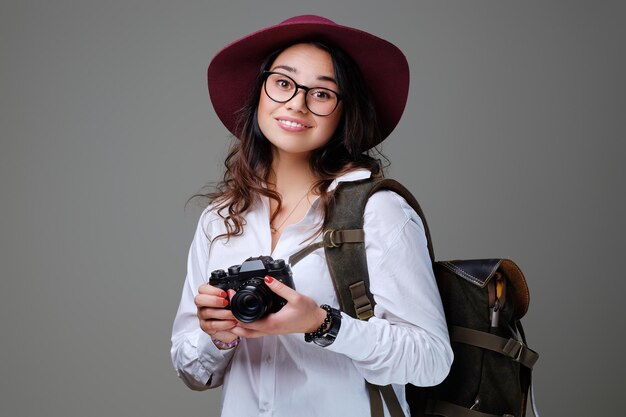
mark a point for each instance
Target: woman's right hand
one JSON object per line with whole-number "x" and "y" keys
{"x": 215, "y": 320}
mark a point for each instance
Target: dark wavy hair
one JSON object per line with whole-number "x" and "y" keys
{"x": 249, "y": 159}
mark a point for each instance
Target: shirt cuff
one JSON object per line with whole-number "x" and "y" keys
{"x": 354, "y": 340}
{"x": 210, "y": 356}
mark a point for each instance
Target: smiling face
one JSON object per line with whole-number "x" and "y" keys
{"x": 291, "y": 127}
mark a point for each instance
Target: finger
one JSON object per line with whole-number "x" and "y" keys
{"x": 212, "y": 326}
{"x": 280, "y": 289}
{"x": 207, "y": 313}
{"x": 247, "y": 333}
{"x": 221, "y": 325}
{"x": 256, "y": 325}
{"x": 204, "y": 300}
{"x": 211, "y": 290}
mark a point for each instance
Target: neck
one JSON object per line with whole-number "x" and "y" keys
{"x": 291, "y": 174}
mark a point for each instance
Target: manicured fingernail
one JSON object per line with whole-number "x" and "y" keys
{"x": 223, "y": 294}
{"x": 224, "y": 302}
{"x": 269, "y": 279}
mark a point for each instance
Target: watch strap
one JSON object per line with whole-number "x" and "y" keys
{"x": 328, "y": 337}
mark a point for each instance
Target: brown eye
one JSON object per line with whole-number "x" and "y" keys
{"x": 283, "y": 84}
{"x": 321, "y": 95}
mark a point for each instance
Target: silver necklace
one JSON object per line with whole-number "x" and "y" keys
{"x": 276, "y": 229}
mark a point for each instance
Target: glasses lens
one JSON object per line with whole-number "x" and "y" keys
{"x": 279, "y": 87}
{"x": 282, "y": 88}
{"x": 321, "y": 101}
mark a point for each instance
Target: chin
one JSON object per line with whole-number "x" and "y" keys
{"x": 293, "y": 151}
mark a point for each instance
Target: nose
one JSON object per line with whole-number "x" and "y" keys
{"x": 298, "y": 102}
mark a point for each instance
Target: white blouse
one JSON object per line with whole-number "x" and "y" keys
{"x": 405, "y": 342}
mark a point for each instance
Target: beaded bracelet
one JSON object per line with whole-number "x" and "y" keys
{"x": 223, "y": 345}
{"x": 308, "y": 337}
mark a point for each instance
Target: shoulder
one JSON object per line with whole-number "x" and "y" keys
{"x": 209, "y": 221}
{"x": 213, "y": 219}
{"x": 389, "y": 220}
{"x": 390, "y": 209}
{"x": 392, "y": 228}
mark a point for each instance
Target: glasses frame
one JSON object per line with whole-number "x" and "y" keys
{"x": 266, "y": 75}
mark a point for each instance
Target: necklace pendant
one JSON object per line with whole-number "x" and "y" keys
{"x": 275, "y": 229}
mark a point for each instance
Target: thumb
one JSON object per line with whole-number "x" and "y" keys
{"x": 279, "y": 288}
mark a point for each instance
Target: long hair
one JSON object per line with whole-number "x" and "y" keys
{"x": 249, "y": 159}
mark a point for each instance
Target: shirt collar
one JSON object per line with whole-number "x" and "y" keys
{"x": 358, "y": 174}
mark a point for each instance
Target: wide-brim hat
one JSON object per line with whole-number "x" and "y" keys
{"x": 233, "y": 71}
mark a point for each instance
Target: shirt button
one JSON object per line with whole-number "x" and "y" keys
{"x": 268, "y": 360}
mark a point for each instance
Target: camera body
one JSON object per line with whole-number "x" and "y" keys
{"x": 253, "y": 300}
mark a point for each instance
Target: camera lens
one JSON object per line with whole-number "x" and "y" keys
{"x": 251, "y": 301}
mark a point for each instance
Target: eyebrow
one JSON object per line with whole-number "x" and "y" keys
{"x": 295, "y": 71}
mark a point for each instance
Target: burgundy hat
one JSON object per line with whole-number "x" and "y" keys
{"x": 234, "y": 69}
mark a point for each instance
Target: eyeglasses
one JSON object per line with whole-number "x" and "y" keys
{"x": 281, "y": 88}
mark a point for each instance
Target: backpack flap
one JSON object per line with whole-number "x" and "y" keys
{"x": 481, "y": 271}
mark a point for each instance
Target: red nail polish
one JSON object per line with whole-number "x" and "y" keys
{"x": 225, "y": 302}
{"x": 268, "y": 279}
{"x": 223, "y": 294}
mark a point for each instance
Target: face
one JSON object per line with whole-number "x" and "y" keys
{"x": 290, "y": 126}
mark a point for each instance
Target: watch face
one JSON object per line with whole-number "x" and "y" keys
{"x": 325, "y": 340}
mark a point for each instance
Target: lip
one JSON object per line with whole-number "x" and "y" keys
{"x": 293, "y": 125}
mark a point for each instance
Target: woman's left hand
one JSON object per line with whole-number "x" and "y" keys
{"x": 301, "y": 314}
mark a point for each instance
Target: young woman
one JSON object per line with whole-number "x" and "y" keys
{"x": 306, "y": 99}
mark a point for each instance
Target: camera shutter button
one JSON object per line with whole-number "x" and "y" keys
{"x": 278, "y": 264}
{"x": 218, "y": 274}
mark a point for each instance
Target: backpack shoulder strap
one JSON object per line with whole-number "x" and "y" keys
{"x": 347, "y": 262}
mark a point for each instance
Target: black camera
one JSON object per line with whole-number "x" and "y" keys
{"x": 253, "y": 299}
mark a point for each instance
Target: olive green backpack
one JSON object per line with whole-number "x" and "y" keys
{"x": 483, "y": 300}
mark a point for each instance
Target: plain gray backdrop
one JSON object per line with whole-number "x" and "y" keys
{"x": 511, "y": 139}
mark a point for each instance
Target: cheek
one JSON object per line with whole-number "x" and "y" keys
{"x": 263, "y": 103}
{"x": 263, "y": 116}
{"x": 333, "y": 124}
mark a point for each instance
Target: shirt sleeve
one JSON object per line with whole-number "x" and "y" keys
{"x": 198, "y": 362}
{"x": 407, "y": 339}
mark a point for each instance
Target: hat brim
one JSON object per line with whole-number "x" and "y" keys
{"x": 233, "y": 71}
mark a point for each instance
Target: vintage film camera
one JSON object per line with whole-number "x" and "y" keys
{"x": 253, "y": 300}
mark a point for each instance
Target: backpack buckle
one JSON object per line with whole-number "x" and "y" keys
{"x": 514, "y": 349}
{"x": 328, "y": 239}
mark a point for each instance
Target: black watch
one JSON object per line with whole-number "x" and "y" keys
{"x": 329, "y": 337}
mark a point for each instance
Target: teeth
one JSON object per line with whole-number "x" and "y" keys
{"x": 290, "y": 123}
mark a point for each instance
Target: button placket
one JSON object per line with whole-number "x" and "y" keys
{"x": 267, "y": 383}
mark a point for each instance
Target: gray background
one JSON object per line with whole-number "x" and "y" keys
{"x": 511, "y": 140}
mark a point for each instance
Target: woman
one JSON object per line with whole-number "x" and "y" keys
{"x": 306, "y": 99}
